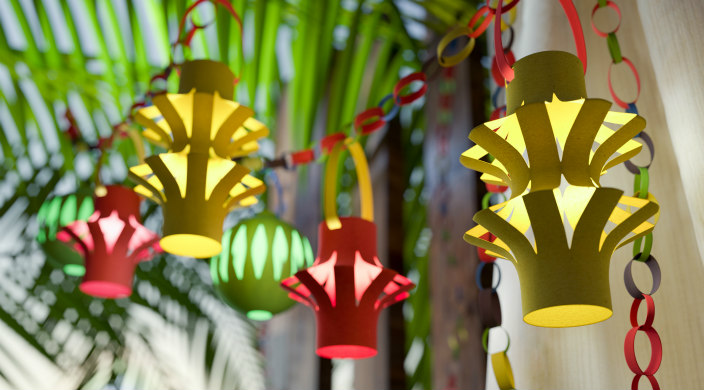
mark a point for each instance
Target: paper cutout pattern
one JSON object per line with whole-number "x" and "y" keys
{"x": 196, "y": 183}
{"x": 257, "y": 254}
{"x": 538, "y": 130}
{"x": 55, "y": 214}
{"x": 112, "y": 241}
{"x": 347, "y": 286}
{"x": 563, "y": 283}
{"x": 195, "y": 193}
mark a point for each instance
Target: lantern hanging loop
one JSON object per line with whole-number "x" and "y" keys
{"x": 365, "y": 185}
{"x": 186, "y": 41}
{"x": 575, "y": 24}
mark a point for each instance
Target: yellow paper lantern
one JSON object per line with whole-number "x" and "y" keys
{"x": 196, "y": 182}
{"x": 560, "y": 241}
{"x": 551, "y": 121}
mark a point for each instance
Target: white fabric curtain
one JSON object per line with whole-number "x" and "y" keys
{"x": 661, "y": 39}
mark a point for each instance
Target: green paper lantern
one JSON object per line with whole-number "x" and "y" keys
{"x": 53, "y": 215}
{"x": 256, "y": 256}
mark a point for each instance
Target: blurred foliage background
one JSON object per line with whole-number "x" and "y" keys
{"x": 79, "y": 65}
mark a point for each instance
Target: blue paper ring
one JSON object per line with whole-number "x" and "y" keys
{"x": 478, "y": 275}
{"x": 394, "y": 110}
{"x": 495, "y": 96}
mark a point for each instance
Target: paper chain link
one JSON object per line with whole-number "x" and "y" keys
{"x": 642, "y": 247}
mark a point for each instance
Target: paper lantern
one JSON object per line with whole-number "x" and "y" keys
{"x": 550, "y": 119}
{"x": 112, "y": 241}
{"x": 347, "y": 286}
{"x": 564, "y": 279}
{"x": 257, "y": 254}
{"x": 53, "y": 215}
{"x": 196, "y": 183}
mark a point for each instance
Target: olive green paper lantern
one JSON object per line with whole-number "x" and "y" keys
{"x": 256, "y": 256}
{"x": 54, "y": 214}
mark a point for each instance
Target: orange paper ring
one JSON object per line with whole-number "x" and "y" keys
{"x": 653, "y": 382}
{"x": 650, "y": 315}
{"x": 618, "y": 101}
{"x": 600, "y": 33}
{"x": 403, "y": 100}
{"x": 488, "y": 13}
{"x": 655, "y": 347}
{"x": 376, "y": 113}
{"x": 329, "y": 142}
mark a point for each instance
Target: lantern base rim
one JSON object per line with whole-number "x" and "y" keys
{"x": 191, "y": 245}
{"x": 105, "y": 289}
{"x": 346, "y": 352}
{"x": 565, "y": 316}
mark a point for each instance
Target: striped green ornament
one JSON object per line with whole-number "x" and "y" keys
{"x": 256, "y": 256}
{"x": 54, "y": 214}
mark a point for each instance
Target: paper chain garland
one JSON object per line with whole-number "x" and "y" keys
{"x": 489, "y": 304}
{"x": 641, "y": 182}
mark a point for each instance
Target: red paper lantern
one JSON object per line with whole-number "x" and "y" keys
{"x": 112, "y": 241}
{"x": 347, "y": 286}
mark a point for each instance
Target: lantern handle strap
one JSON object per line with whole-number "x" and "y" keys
{"x": 363, "y": 179}
{"x": 577, "y": 32}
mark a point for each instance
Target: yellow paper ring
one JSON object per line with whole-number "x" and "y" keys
{"x": 502, "y": 370}
{"x": 455, "y": 33}
{"x": 363, "y": 179}
{"x": 511, "y": 18}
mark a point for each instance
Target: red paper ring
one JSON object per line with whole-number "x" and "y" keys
{"x": 631, "y": 287}
{"x": 618, "y": 101}
{"x": 485, "y": 23}
{"x": 496, "y": 73}
{"x": 509, "y": 6}
{"x": 600, "y": 33}
{"x": 650, "y": 313}
{"x": 655, "y": 347}
{"x": 329, "y": 142}
{"x": 481, "y": 252}
{"x": 499, "y": 112}
{"x": 364, "y": 116}
{"x": 653, "y": 382}
{"x": 302, "y": 157}
{"x": 494, "y": 188}
{"x": 403, "y": 100}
